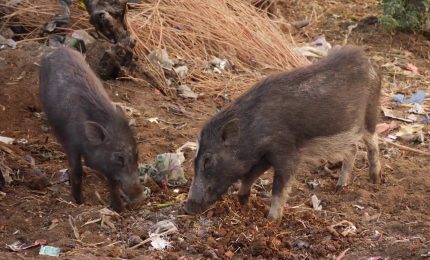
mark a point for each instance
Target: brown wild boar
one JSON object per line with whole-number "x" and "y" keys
{"x": 318, "y": 111}
{"x": 88, "y": 125}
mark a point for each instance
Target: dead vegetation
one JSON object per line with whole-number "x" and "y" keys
{"x": 191, "y": 33}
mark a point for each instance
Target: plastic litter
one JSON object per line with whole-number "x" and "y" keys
{"x": 181, "y": 71}
{"x": 49, "y": 251}
{"x": 162, "y": 58}
{"x": 7, "y": 43}
{"x": 6, "y": 140}
{"x": 167, "y": 167}
{"x": 20, "y": 245}
{"x": 316, "y": 203}
{"x": 185, "y": 92}
{"x": 416, "y": 98}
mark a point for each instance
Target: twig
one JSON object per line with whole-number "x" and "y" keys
{"x": 74, "y": 228}
{"x": 342, "y": 255}
{"x": 405, "y": 148}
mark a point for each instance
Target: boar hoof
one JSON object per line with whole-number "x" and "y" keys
{"x": 376, "y": 179}
{"x": 243, "y": 199}
{"x": 78, "y": 198}
{"x": 118, "y": 207}
{"x": 274, "y": 214}
{"x": 340, "y": 187}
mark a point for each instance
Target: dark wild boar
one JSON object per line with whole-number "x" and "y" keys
{"x": 318, "y": 111}
{"x": 88, "y": 125}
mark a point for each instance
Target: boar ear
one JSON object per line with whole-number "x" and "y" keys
{"x": 120, "y": 111}
{"x": 230, "y": 133}
{"x": 95, "y": 133}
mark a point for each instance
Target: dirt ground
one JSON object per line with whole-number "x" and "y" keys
{"x": 392, "y": 221}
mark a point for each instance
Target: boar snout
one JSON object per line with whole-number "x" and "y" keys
{"x": 132, "y": 192}
{"x": 193, "y": 207}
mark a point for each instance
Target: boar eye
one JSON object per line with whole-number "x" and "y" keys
{"x": 207, "y": 161}
{"x": 120, "y": 160}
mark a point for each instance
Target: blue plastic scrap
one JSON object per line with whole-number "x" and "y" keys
{"x": 49, "y": 250}
{"x": 416, "y": 98}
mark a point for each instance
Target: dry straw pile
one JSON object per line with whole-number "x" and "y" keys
{"x": 32, "y": 15}
{"x": 196, "y": 30}
{"x": 193, "y": 31}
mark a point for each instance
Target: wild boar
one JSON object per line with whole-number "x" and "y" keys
{"x": 89, "y": 126}
{"x": 318, "y": 111}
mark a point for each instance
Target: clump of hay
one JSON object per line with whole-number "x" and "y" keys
{"x": 190, "y": 30}
{"x": 30, "y": 16}
{"x": 229, "y": 29}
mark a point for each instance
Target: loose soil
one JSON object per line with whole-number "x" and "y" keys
{"x": 392, "y": 220}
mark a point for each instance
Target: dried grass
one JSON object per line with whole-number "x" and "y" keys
{"x": 228, "y": 29}
{"x": 193, "y": 31}
{"x": 33, "y": 15}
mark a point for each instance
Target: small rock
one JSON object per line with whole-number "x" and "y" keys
{"x": 229, "y": 254}
{"x": 182, "y": 71}
{"x": 7, "y": 33}
{"x": 300, "y": 244}
{"x": 134, "y": 240}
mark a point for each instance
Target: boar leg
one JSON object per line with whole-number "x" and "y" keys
{"x": 347, "y": 166}
{"x": 115, "y": 192}
{"x": 371, "y": 141}
{"x": 249, "y": 179}
{"x": 76, "y": 175}
{"x": 284, "y": 169}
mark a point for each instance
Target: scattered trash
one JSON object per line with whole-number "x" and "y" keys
{"x": 167, "y": 168}
{"x": 6, "y": 140}
{"x": 181, "y": 71}
{"x": 185, "y": 92}
{"x": 49, "y": 251}
{"x": 395, "y": 115}
{"x": 83, "y": 36}
{"x": 162, "y": 58}
{"x": 300, "y": 244}
{"x": 317, "y": 49}
{"x": 22, "y": 141}
{"x": 313, "y": 184}
{"x": 153, "y": 120}
{"x": 358, "y": 206}
{"x": 20, "y": 245}
{"x": 218, "y": 65}
{"x": 157, "y": 234}
{"x": 7, "y": 43}
{"x": 417, "y": 109}
{"x": 411, "y": 132}
{"x": 346, "y": 228}
{"x": 416, "y": 98}
{"x": 316, "y": 203}
{"x": 159, "y": 243}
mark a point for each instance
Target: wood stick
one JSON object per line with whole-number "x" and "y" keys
{"x": 405, "y": 148}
